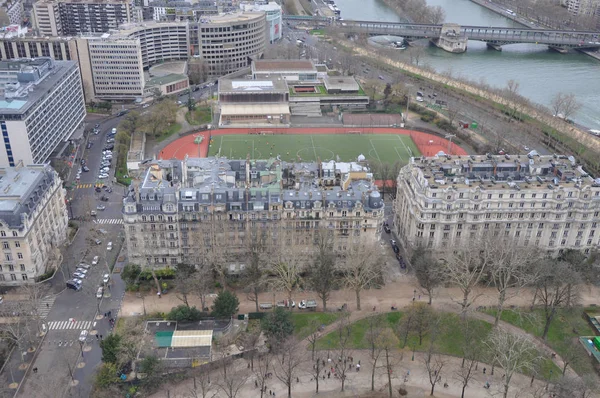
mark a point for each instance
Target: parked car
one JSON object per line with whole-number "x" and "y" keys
{"x": 109, "y": 147}
{"x": 85, "y": 169}
{"x": 102, "y": 176}
{"x": 84, "y": 265}
{"x": 81, "y": 271}
{"x": 101, "y": 207}
{"x": 110, "y": 140}
{"x": 98, "y": 189}
{"x": 98, "y": 241}
{"x": 83, "y": 335}
{"x": 97, "y": 126}
{"x": 104, "y": 198}
{"x": 100, "y": 292}
{"x": 105, "y": 278}
{"x": 386, "y": 228}
{"x": 302, "y": 304}
{"x": 89, "y": 145}
{"x": 78, "y": 275}
{"x": 93, "y": 213}
{"x": 71, "y": 284}
{"x": 109, "y": 246}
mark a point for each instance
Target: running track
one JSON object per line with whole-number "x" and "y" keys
{"x": 428, "y": 144}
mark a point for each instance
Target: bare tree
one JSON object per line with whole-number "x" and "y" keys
{"x": 422, "y": 319}
{"x": 465, "y": 269}
{"x": 513, "y": 353}
{"x": 261, "y": 371}
{"x": 253, "y": 276}
{"x": 288, "y": 361}
{"x": 317, "y": 368}
{"x": 554, "y": 288}
{"x": 415, "y": 54}
{"x": 516, "y": 102}
{"x": 361, "y": 267}
{"x": 436, "y": 15}
{"x": 184, "y": 282}
{"x": 406, "y": 325}
{"x": 202, "y": 387}
{"x": 252, "y": 342}
{"x": 287, "y": 267}
{"x": 313, "y": 336}
{"x": 465, "y": 373}
{"x": 323, "y": 269}
{"x": 428, "y": 271}
{"x": 387, "y": 343}
{"x": 232, "y": 382}
{"x": 511, "y": 268}
{"x": 434, "y": 364}
{"x": 343, "y": 333}
{"x": 564, "y": 105}
{"x": 470, "y": 347}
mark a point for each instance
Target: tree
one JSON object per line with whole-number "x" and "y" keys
{"x": 184, "y": 313}
{"x": 232, "y": 382}
{"x": 226, "y": 305}
{"x": 161, "y": 117}
{"x": 151, "y": 367}
{"x": 387, "y": 91}
{"x": 514, "y": 353}
{"x": 253, "y": 276}
{"x": 436, "y": 15}
{"x": 130, "y": 273}
{"x": 110, "y": 348}
{"x": 361, "y": 267}
{"x": 288, "y": 362}
{"x": 406, "y": 325}
{"x": 470, "y": 347}
{"x": 251, "y": 343}
{"x": 261, "y": 371}
{"x": 427, "y": 270}
{"x": 202, "y": 388}
{"x": 313, "y": 335}
{"x": 511, "y": 268}
{"x": 317, "y": 368}
{"x": 322, "y": 272}
{"x": 130, "y": 124}
{"x": 286, "y": 267}
{"x": 434, "y": 364}
{"x": 184, "y": 282}
{"x": 197, "y": 71}
{"x": 466, "y": 268}
{"x": 387, "y": 343}
{"x": 554, "y": 288}
{"x": 343, "y": 333}
{"x": 191, "y": 105}
{"x": 571, "y": 354}
{"x": 564, "y": 105}
{"x": 423, "y": 316}
{"x": 106, "y": 375}
{"x": 203, "y": 284}
{"x": 277, "y": 325}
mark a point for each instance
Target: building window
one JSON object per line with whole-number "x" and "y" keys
{"x": 5, "y": 245}
{"x": 22, "y": 267}
{"x": 17, "y": 244}
{"x": 24, "y": 276}
{"x": 20, "y": 256}
{"x": 15, "y": 233}
{"x": 8, "y": 257}
{"x": 13, "y": 277}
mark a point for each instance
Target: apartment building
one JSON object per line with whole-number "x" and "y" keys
{"x": 229, "y": 42}
{"x": 41, "y": 105}
{"x": 540, "y": 201}
{"x": 33, "y": 222}
{"x": 14, "y": 10}
{"x": 182, "y": 211}
{"x": 72, "y": 17}
{"x": 274, "y": 16}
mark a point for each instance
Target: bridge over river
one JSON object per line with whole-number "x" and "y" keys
{"x": 453, "y": 37}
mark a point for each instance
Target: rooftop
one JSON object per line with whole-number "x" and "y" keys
{"x": 283, "y": 65}
{"x": 240, "y": 16}
{"x": 271, "y": 6}
{"x": 21, "y": 189}
{"x": 24, "y": 82}
{"x": 529, "y": 171}
{"x": 341, "y": 83}
{"x": 166, "y": 79}
{"x": 252, "y": 86}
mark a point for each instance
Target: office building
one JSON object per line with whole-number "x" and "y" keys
{"x": 33, "y": 222}
{"x": 181, "y": 211}
{"x": 274, "y": 16}
{"x": 41, "y": 106}
{"x": 540, "y": 201}
{"x": 73, "y": 17}
{"x": 230, "y": 42}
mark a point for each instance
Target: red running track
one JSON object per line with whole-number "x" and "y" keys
{"x": 428, "y": 144}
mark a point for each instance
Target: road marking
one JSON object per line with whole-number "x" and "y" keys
{"x": 373, "y": 146}
{"x": 68, "y": 325}
{"x": 402, "y": 141}
{"x": 314, "y": 149}
{"x": 45, "y": 306}
{"x": 85, "y": 186}
{"x": 109, "y": 221}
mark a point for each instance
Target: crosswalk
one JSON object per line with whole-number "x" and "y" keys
{"x": 45, "y": 306}
{"x": 109, "y": 221}
{"x": 65, "y": 325}
{"x": 84, "y": 186}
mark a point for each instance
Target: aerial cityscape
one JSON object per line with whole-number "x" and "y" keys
{"x": 336, "y": 198}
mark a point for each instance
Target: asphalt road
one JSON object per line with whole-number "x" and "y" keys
{"x": 62, "y": 357}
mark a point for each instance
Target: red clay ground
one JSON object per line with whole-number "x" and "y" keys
{"x": 428, "y": 144}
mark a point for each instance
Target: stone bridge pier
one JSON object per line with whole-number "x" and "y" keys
{"x": 451, "y": 39}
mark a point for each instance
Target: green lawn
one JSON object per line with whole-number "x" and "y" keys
{"x": 567, "y": 325}
{"x": 449, "y": 342}
{"x": 173, "y": 129}
{"x": 199, "y": 116}
{"x": 302, "y": 321}
{"x": 387, "y": 148}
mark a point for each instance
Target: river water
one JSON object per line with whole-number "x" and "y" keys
{"x": 541, "y": 73}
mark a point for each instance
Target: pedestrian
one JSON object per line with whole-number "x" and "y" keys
{"x": 105, "y": 314}
{"x": 419, "y": 297}
{"x": 323, "y": 361}
{"x": 35, "y": 370}
{"x": 255, "y": 384}
{"x": 413, "y": 299}
{"x": 359, "y": 362}
{"x": 97, "y": 337}
{"x": 329, "y": 375}
{"x": 100, "y": 337}
{"x": 484, "y": 369}
{"x": 110, "y": 312}
{"x": 374, "y": 307}
{"x": 297, "y": 380}
{"x": 47, "y": 305}
{"x": 323, "y": 377}
{"x": 270, "y": 392}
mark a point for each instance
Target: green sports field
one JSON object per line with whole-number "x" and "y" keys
{"x": 387, "y": 148}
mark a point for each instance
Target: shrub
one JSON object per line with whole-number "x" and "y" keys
{"x": 184, "y": 313}
{"x": 225, "y": 305}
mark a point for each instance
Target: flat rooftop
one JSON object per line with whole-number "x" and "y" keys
{"x": 241, "y": 16}
{"x": 34, "y": 90}
{"x": 17, "y": 184}
{"x": 342, "y": 83}
{"x": 283, "y": 65}
{"x": 524, "y": 171}
{"x": 166, "y": 79}
{"x": 252, "y": 86}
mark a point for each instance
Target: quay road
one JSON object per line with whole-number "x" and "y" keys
{"x": 488, "y": 34}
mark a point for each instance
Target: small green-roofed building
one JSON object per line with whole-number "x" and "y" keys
{"x": 168, "y": 84}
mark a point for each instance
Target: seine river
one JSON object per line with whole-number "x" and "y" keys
{"x": 540, "y": 72}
